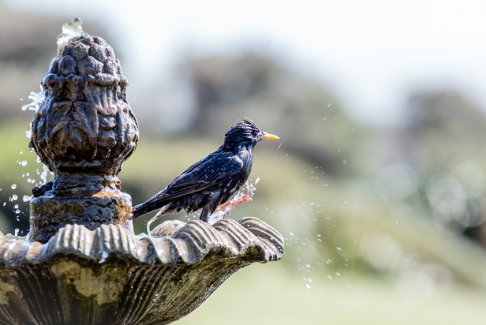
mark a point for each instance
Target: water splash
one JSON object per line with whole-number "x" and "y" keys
{"x": 70, "y": 30}
{"x": 44, "y": 174}
{"x": 36, "y": 99}
{"x": 244, "y": 195}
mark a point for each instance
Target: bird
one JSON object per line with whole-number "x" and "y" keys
{"x": 211, "y": 181}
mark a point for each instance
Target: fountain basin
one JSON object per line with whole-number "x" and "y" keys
{"x": 110, "y": 276}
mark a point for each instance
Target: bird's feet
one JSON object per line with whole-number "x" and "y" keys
{"x": 243, "y": 196}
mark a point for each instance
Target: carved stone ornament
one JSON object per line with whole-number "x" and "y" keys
{"x": 81, "y": 263}
{"x": 83, "y": 131}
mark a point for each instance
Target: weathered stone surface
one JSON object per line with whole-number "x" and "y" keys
{"x": 85, "y": 123}
{"x": 108, "y": 276}
{"x": 83, "y": 131}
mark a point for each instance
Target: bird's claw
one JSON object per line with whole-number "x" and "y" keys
{"x": 242, "y": 197}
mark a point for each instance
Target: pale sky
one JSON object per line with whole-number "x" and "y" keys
{"x": 370, "y": 53}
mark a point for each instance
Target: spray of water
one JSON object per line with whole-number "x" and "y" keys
{"x": 244, "y": 195}
{"x": 70, "y": 30}
{"x": 36, "y": 97}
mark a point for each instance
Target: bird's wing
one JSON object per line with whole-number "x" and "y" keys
{"x": 208, "y": 172}
{"x": 214, "y": 171}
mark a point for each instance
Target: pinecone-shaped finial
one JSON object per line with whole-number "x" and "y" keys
{"x": 85, "y": 122}
{"x": 83, "y": 131}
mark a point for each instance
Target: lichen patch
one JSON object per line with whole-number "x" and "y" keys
{"x": 105, "y": 284}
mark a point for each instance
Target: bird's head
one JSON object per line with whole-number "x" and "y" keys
{"x": 245, "y": 133}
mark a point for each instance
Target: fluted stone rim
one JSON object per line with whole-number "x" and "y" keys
{"x": 249, "y": 239}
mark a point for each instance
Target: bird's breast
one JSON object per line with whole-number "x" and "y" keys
{"x": 245, "y": 155}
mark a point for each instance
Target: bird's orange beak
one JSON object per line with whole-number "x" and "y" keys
{"x": 269, "y": 136}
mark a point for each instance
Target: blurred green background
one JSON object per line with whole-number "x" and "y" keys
{"x": 382, "y": 208}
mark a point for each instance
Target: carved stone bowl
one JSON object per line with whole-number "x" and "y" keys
{"x": 110, "y": 276}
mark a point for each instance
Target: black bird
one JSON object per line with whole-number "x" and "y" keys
{"x": 214, "y": 179}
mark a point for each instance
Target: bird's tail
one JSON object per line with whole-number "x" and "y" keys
{"x": 150, "y": 205}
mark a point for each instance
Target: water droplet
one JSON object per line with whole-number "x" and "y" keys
{"x": 45, "y": 172}
{"x": 308, "y": 282}
{"x": 16, "y": 232}
{"x": 13, "y": 187}
{"x": 14, "y": 197}
{"x": 23, "y": 163}
{"x": 26, "y": 198}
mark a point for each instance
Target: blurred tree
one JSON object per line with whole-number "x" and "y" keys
{"x": 307, "y": 117}
{"x": 442, "y": 142}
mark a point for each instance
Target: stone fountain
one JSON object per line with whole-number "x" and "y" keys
{"x": 81, "y": 262}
